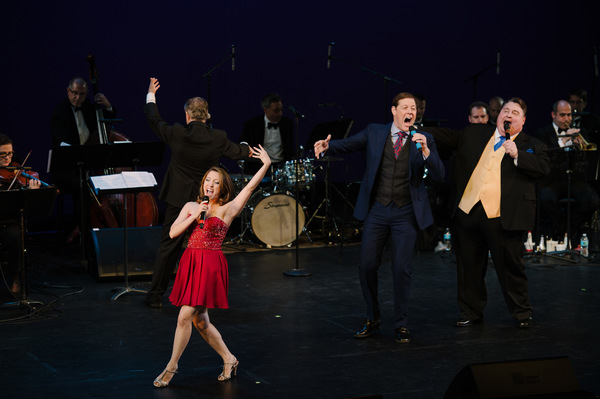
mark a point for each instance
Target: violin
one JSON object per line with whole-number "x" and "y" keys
{"x": 7, "y": 175}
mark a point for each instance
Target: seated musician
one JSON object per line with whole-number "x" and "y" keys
{"x": 554, "y": 187}
{"x": 10, "y": 231}
{"x": 272, "y": 130}
{"x": 74, "y": 122}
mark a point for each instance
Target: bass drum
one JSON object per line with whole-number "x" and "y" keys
{"x": 274, "y": 218}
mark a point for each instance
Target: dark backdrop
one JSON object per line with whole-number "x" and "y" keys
{"x": 429, "y": 47}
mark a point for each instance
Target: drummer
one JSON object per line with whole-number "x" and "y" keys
{"x": 273, "y": 131}
{"x": 554, "y": 187}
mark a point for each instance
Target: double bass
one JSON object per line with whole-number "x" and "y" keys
{"x": 106, "y": 211}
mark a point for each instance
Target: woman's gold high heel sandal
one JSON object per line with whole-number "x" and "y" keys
{"x": 233, "y": 372}
{"x": 159, "y": 383}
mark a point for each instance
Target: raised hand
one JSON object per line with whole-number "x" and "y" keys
{"x": 154, "y": 85}
{"x": 262, "y": 154}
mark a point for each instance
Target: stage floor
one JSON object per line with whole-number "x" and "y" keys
{"x": 292, "y": 335}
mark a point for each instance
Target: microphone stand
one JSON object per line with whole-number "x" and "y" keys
{"x": 296, "y": 271}
{"x": 475, "y": 76}
{"x": 208, "y": 76}
{"x": 386, "y": 81}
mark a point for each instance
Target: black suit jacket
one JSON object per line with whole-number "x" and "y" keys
{"x": 254, "y": 133}
{"x": 561, "y": 160}
{"x": 64, "y": 127}
{"x": 518, "y": 196}
{"x": 195, "y": 148}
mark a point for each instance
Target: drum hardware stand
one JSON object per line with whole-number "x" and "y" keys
{"x": 245, "y": 221}
{"x": 296, "y": 271}
{"x": 328, "y": 219}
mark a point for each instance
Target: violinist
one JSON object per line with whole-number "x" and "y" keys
{"x": 6, "y": 161}
{"x": 74, "y": 122}
{"x": 10, "y": 230}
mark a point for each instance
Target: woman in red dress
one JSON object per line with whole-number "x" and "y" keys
{"x": 202, "y": 279}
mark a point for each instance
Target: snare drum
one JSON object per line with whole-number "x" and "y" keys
{"x": 274, "y": 218}
{"x": 302, "y": 169}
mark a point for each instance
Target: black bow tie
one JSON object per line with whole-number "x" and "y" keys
{"x": 76, "y": 109}
{"x": 561, "y": 130}
{"x": 272, "y": 125}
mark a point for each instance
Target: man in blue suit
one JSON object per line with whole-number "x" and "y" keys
{"x": 392, "y": 201}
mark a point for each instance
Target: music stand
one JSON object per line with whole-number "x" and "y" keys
{"x": 124, "y": 187}
{"x": 19, "y": 205}
{"x": 556, "y": 155}
{"x": 101, "y": 157}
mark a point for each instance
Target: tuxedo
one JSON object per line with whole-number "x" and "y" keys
{"x": 398, "y": 218}
{"x": 476, "y": 234}
{"x": 554, "y": 187}
{"x": 64, "y": 127}
{"x": 254, "y": 134}
{"x": 195, "y": 148}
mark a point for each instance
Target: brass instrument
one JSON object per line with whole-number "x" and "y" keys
{"x": 584, "y": 145}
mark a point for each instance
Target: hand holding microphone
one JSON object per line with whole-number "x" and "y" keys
{"x": 509, "y": 146}
{"x": 203, "y": 214}
{"x": 413, "y": 130}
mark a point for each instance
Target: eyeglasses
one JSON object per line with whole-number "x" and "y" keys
{"x": 78, "y": 93}
{"x": 7, "y": 154}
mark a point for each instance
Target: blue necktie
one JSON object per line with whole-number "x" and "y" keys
{"x": 499, "y": 144}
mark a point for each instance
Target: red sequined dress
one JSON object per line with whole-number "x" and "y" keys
{"x": 202, "y": 277}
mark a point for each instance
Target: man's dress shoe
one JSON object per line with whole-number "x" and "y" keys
{"x": 526, "y": 323}
{"x": 467, "y": 322}
{"x": 402, "y": 335}
{"x": 154, "y": 301}
{"x": 367, "y": 329}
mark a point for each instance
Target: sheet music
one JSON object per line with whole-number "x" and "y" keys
{"x": 124, "y": 180}
{"x": 139, "y": 179}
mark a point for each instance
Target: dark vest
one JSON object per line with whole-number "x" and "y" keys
{"x": 392, "y": 180}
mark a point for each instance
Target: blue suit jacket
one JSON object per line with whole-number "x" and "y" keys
{"x": 372, "y": 140}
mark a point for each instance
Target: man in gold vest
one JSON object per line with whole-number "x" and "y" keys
{"x": 495, "y": 205}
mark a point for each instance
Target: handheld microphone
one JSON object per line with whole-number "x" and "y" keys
{"x": 498, "y": 63}
{"x": 413, "y": 130}
{"x": 329, "y": 55}
{"x": 507, "y": 130}
{"x": 203, "y": 214}
{"x": 297, "y": 113}
{"x": 233, "y": 57}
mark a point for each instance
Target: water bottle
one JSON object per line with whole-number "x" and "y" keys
{"x": 585, "y": 245}
{"x": 447, "y": 238}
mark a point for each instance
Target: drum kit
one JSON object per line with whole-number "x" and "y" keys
{"x": 270, "y": 214}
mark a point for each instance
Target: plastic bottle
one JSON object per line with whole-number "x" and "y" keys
{"x": 529, "y": 244}
{"x": 447, "y": 239}
{"x": 585, "y": 245}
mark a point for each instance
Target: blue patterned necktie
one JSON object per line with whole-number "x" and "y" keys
{"x": 499, "y": 144}
{"x": 398, "y": 143}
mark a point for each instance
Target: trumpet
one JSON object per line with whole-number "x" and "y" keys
{"x": 584, "y": 145}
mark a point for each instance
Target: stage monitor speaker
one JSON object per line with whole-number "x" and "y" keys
{"x": 539, "y": 378}
{"x": 142, "y": 245}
